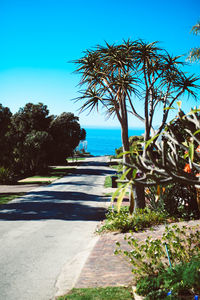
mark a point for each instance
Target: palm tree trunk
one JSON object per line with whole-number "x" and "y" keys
{"x": 139, "y": 196}
{"x": 136, "y": 195}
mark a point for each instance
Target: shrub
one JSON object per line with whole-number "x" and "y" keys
{"x": 108, "y": 182}
{"x": 182, "y": 280}
{"x": 177, "y": 199}
{"x": 6, "y": 176}
{"x": 124, "y": 222}
{"x": 149, "y": 257}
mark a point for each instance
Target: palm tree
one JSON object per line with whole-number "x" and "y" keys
{"x": 194, "y": 54}
{"x": 116, "y": 77}
{"x": 107, "y": 73}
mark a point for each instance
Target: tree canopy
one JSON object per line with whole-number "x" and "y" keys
{"x": 116, "y": 78}
{"x": 31, "y": 138}
{"x": 5, "y": 147}
{"x": 66, "y": 133}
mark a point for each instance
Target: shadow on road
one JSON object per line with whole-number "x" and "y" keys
{"x": 61, "y": 205}
{"x": 99, "y": 172}
{"x": 54, "y": 205}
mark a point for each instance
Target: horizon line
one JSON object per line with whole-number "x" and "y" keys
{"x": 108, "y": 127}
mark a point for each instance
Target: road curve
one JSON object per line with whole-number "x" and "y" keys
{"x": 46, "y": 236}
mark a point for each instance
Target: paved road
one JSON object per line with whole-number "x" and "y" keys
{"x": 46, "y": 236}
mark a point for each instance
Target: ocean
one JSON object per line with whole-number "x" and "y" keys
{"x": 104, "y": 141}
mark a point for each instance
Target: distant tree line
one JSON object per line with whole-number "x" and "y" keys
{"x": 31, "y": 139}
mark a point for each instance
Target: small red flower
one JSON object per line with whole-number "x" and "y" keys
{"x": 187, "y": 168}
{"x": 198, "y": 149}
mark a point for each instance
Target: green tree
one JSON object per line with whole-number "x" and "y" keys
{"x": 32, "y": 117}
{"x": 117, "y": 77}
{"x": 66, "y": 133}
{"x": 5, "y": 143}
{"x": 30, "y": 127}
{"x": 36, "y": 148}
{"x": 194, "y": 54}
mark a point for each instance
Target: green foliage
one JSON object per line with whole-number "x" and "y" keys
{"x": 37, "y": 139}
{"x": 6, "y": 158}
{"x": 149, "y": 257}
{"x": 182, "y": 280}
{"x": 134, "y": 141}
{"x": 31, "y": 140}
{"x": 108, "y": 182}
{"x": 194, "y": 54}
{"x": 107, "y": 293}
{"x": 124, "y": 222}
{"x": 66, "y": 133}
{"x": 118, "y": 151}
{"x": 175, "y": 157}
{"x": 32, "y": 117}
{"x": 48, "y": 175}
{"x": 6, "y": 197}
{"x": 176, "y": 199}
{"x": 6, "y": 176}
{"x": 36, "y": 145}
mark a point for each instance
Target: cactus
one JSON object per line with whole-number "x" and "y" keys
{"x": 174, "y": 155}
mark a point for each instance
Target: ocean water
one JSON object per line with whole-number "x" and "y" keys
{"x": 104, "y": 141}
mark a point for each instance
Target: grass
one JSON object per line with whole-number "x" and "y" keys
{"x": 108, "y": 293}
{"x": 50, "y": 175}
{"x": 108, "y": 182}
{"x": 6, "y": 197}
{"x": 115, "y": 167}
{"x": 53, "y": 173}
{"x": 75, "y": 159}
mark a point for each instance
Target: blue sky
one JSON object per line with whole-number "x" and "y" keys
{"x": 40, "y": 37}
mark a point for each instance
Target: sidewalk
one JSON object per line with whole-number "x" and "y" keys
{"x": 18, "y": 188}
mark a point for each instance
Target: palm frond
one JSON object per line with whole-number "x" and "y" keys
{"x": 187, "y": 84}
{"x": 92, "y": 98}
{"x": 194, "y": 55}
{"x": 196, "y": 28}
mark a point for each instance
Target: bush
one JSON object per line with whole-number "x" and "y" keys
{"x": 182, "y": 280}
{"x": 6, "y": 176}
{"x": 149, "y": 257}
{"x": 124, "y": 222}
{"x": 108, "y": 182}
{"x": 177, "y": 199}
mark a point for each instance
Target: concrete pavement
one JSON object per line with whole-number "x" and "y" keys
{"x": 47, "y": 235}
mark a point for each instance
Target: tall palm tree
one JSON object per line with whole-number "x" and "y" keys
{"x": 116, "y": 77}
{"x": 107, "y": 73}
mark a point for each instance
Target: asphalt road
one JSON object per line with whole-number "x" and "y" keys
{"x": 47, "y": 235}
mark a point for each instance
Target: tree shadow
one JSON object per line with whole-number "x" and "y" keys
{"x": 78, "y": 183}
{"x": 54, "y": 205}
{"x": 99, "y": 172}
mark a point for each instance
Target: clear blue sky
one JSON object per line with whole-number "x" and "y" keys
{"x": 40, "y": 37}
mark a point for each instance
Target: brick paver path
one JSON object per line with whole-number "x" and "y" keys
{"x": 104, "y": 268}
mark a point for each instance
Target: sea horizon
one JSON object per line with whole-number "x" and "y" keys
{"x": 104, "y": 140}
{"x": 110, "y": 127}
